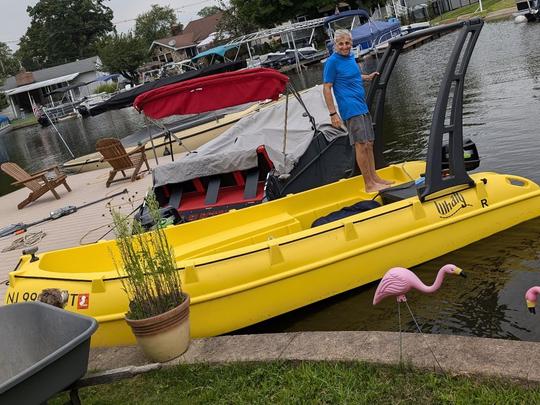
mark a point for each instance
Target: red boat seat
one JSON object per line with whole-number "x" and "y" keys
{"x": 201, "y": 197}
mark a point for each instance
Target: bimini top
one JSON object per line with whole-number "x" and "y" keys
{"x": 218, "y": 50}
{"x": 359, "y": 12}
{"x": 212, "y": 93}
{"x": 126, "y": 98}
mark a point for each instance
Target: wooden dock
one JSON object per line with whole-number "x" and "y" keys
{"x": 86, "y": 225}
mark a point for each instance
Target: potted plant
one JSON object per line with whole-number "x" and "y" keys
{"x": 158, "y": 311}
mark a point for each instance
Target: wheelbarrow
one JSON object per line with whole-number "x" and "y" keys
{"x": 43, "y": 350}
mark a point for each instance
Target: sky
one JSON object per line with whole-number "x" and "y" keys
{"x": 14, "y": 20}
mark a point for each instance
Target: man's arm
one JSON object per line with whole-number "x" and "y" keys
{"x": 329, "y": 99}
{"x": 370, "y": 76}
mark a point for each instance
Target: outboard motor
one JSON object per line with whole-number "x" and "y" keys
{"x": 169, "y": 216}
{"x": 470, "y": 155}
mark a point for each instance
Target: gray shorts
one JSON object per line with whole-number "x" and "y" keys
{"x": 360, "y": 129}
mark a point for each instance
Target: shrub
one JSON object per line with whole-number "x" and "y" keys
{"x": 106, "y": 88}
{"x": 148, "y": 267}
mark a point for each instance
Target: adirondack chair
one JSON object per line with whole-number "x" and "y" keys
{"x": 115, "y": 154}
{"x": 39, "y": 183}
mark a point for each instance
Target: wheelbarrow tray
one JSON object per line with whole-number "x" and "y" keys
{"x": 43, "y": 350}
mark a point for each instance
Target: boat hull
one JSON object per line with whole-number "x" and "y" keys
{"x": 192, "y": 138}
{"x": 266, "y": 260}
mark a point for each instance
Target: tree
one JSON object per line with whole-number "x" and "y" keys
{"x": 155, "y": 24}
{"x": 9, "y": 66}
{"x": 246, "y": 16}
{"x": 208, "y": 11}
{"x": 61, "y": 31}
{"x": 123, "y": 54}
{"x": 238, "y": 18}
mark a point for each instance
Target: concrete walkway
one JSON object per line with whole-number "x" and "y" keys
{"x": 457, "y": 355}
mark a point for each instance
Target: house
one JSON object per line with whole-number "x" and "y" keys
{"x": 82, "y": 77}
{"x": 184, "y": 46}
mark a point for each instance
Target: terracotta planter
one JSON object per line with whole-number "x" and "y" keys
{"x": 166, "y": 336}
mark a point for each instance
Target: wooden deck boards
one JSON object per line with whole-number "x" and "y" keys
{"x": 89, "y": 222}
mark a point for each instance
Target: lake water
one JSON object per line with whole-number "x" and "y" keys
{"x": 501, "y": 115}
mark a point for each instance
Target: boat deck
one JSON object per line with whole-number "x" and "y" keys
{"x": 87, "y": 225}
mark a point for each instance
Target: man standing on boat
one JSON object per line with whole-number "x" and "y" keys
{"x": 343, "y": 75}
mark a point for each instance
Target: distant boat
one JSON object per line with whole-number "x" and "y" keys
{"x": 277, "y": 60}
{"x": 193, "y": 131}
{"x": 407, "y": 29}
{"x": 367, "y": 33}
{"x": 256, "y": 159}
{"x": 5, "y": 125}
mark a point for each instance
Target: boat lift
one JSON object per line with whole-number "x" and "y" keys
{"x": 287, "y": 30}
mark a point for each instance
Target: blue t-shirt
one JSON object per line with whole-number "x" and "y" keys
{"x": 346, "y": 78}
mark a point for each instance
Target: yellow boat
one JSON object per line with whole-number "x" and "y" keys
{"x": 191, "y": 139}
{"x": 252, "y": 264}
{"x": 249, "y": 265}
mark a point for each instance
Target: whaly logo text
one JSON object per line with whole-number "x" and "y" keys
{"x": 450, "y": 207}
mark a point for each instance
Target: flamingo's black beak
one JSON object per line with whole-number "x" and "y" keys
{"x": 532, "y": 310}
{"x": 460, "y": 272}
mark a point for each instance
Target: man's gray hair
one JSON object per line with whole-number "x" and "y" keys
{"x": 341, "y": 33}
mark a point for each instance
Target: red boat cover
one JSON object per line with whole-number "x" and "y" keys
{"x": 212, "y": 92}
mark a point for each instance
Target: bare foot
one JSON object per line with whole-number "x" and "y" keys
{"x": 383, "y": 181}
{"x": 373, "y": 188}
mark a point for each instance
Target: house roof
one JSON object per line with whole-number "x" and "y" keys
{"x": 43, "y": 83}
{"x": 181, "y": 41}
{"x": 79, "y": 66}
{"x": 203, "y": 27}
{"x": 195, "y": 31}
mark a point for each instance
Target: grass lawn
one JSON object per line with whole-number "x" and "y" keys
{"x": 488, "y": 6}
{"x": 24, "y": 122}
{"x": 305, "y": 383}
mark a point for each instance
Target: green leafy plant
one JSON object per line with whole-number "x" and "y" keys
{"x": 106, "y": 88}
{"x": 151, "y": 280}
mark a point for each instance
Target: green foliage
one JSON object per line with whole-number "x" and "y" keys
{"x": 123, "y": 54}
{"x": 3, "y": 100}
{"x": 208, "y": 11}
{"x": 153, "y": 282}
{"x": 106, "y": 88}
{"x": 305, "y": 383}
{"x": 238, "y": 19}
{"x": 155, "y": 24}
{"x": 61, "y": 31}
{"x": 9, "y": 66}
{"x": 246, "y": 16}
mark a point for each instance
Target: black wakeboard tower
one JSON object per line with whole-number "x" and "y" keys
{"x": 437, "y": 177}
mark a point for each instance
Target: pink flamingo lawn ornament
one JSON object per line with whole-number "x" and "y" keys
{"x": 530, "y": 297}
{"x": 398, "y": 281}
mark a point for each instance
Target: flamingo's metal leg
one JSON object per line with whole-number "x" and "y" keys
{"x": 400, "y": 336}
{"x": 420, "y": 330}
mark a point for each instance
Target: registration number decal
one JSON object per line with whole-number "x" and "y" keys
{"x": 77, "y": 300}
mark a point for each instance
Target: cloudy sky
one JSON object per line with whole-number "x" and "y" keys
{"x": 14, "y": 21}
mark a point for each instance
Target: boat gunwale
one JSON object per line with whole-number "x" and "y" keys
{"x": 201, "y": 299}
{"x": 336, "y": 225}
